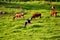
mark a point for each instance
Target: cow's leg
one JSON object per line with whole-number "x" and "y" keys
{"x": 40, "y": 16}
{"x": 17, "y": 16}
{"x": 25, "y": 24}
{"x": 51, "y": 14}
{"x": 56, "y": 15}
{"x": 22, "y": 17}
{"x": 31, "y": 18}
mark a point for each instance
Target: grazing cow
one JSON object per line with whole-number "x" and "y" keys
{"x": 53, "y": 7}
{"x": 36, "y": 15}
{"x": 18, "y": 16}
{"x": 27, "y": 21}
{"x": 53, "y": 13}
{"x": 2, "y": 12}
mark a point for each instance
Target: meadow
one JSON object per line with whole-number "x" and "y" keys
{"x": 45, "y": 28}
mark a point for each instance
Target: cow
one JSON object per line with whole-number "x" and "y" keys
{"x": 2, "y": 12}
{"x": 28, "y": 21}
{"x": 19, "y": 16}
{"x": 53, "y": 13}
{"x": 36, "y": 15}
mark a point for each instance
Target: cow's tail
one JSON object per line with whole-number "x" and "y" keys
{"x": 25, "y": 25}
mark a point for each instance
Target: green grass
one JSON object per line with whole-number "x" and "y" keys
{"x": 45, "y": 28}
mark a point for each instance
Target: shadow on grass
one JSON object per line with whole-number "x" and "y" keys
{"x": 19, "y": 27}
{"x": 58, "y": 16}
{"x": 47, "y": 17}
{"x": 37, "y": 26}
{"x": 1, "y": 37}
{"x": 54, "y": 37}
{"x": 51, "y": 38}
{"x": 15, "y": 31}
{"x": 40, "y": 22}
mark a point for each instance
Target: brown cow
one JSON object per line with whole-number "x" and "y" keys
{"x": 53, "y": 13}
{"x": 36, "y": 15}
{"x": 18, "y": 16}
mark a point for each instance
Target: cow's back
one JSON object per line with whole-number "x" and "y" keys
{"x": 36, "y": 15}
{"x": 17, "y": 15}
{"x": 53, "y": 12}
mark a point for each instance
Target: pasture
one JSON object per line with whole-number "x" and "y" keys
{"x": 45, "y": 28}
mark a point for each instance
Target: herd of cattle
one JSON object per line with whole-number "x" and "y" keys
{"x": 37, "y": 14}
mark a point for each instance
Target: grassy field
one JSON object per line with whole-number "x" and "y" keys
{"x": 45, "y": 28}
